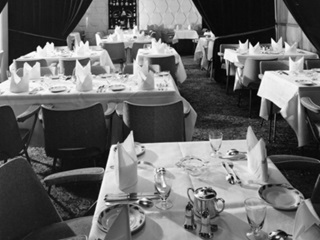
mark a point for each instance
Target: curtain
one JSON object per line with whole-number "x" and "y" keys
{"x": 306, "y": 14}
{"x": 2, "y": 4}
{"x": 32, "y": 23}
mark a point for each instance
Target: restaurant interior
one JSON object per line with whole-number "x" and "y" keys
{"x": 149, "y": 119}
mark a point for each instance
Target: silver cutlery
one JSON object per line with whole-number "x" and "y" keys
{"x": 230, "y": 165}
{"x": 130, "y": 196}
{"x": 229, "y": 177}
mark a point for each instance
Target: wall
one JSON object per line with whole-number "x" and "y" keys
{"x": 156, "y": 13}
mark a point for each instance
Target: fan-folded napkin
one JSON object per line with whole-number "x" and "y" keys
{"x": 254, "y": 49}
{"x": 47, "y": 50}
{"x": 120, "y": 227}
{"x": 158, "y": 46}
{"x": 145, "y": 76}
{"x": 83, "y": 77}
{"x": 277, "y": 46}
{"x": 243, "y": 47}
{"x": 290, "y": 49}
{"x": 257, "y": 156}
{"x": 126, "y": 169}
{"x": 105, "y": 60}
{"x": 296, "y": 66}
{"x": 135, "y": 31}
{"x": 83, "y": 49}
{"x": 306, "y": 223}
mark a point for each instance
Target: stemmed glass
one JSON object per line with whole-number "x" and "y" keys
{"x": 215, "y": 139}
{"x": 256, "y": 211}
{"x": 162, "y": 185}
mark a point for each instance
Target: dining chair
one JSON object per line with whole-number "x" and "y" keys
{"x": 14, "y": 141}
{"x": 312, "y": 63}
{"x": 128, "y": 69}
{"x": 73, "y": 39}
{"x": 116, "y": 52}
{"x": 20, "y": 62}
{"x": 75, "y": 135}
{"x": 154, "y": 122}
{"x": 26, "y": 209}
{"x": 68, "y": 65}
{"x": 97, "y": 69}
{"x": 208, "y": 50}
{"x": 135, "y": 47}
{"x": 166, "y": 63}
{"x": 43, "y": 71}
{"x": 273, "y": 66}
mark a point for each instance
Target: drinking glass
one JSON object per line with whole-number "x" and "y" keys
{"x": 256, "y": 211}
{"x": 215, "y": 139}
{"x": 162, "y": 185}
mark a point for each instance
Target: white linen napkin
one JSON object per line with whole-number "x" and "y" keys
{"x": 277, "y": 46}
{"x": 243, "y": 47}
{"x": 126, "y": 164}
{"x": 189, "y": 27}
{"x": 135, "y": 31}
{"x": 105, "y": 60}
{"x": 290, "y": 49}
{"x": 83, "y": 49}
{"x": 257, "y": 156}
{"x": 83, "y": 77}
{"x": 120, "y": 227}
{"x": 306, "y": 223}
{"x": 41, "y": 52}
{"x": 21, "y": 84}
{"x": 254, "y": 49}
{"x": 145, "y": 76}
{"x": 49, "y": 47}
{"x": 296, "y": 66}
{"x": 33, "y": 72}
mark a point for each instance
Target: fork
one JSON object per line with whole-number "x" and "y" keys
{"x": 238, "y": 180}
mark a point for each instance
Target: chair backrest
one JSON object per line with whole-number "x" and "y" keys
{"x": 68, "y": 65}
{"x": 74, "y": 128}
{"x": 73, "y": 39}
{"x": 167, "y": 63}
{"x": 274, "y": 65}
{"x": 24, "y": 204}
{"x": 116, "y": 51}
{"x": 223, "y": 46}
{"x": 10, "y": 141}
{"x": 154, "y": 123}
{"x": 20, "y": 62}
{"x": 97, "y": 69}
{"x": 128, "y": 69}
{"x": 312, "y": 63}
{"x": 43, "y": 71}
{"x": 135, "y": 47}
{"x": 210, "y": 50}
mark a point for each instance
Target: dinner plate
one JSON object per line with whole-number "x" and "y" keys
{"x": 305, "y": 82}
{"x": 56, "y": 89}
{"x": 281, "y": 196}
{"x": 138, "y": 147}
{"x": 109, "y": 215}
{"x": 117, "y": 87}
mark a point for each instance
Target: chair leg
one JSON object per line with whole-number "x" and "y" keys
{"x": 274, "y": 126}
{"x": 27, "y": 155}
{"x": 228, "y": 77}
{"x": 250, "y": 102}
{"x": 270, "y": 120}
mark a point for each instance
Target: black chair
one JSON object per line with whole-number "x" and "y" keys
{"x": 20, "y": 62}
{"x": 312, "y": 63}
{"x": 116, "y": 52}
{"x": 135, "y": 47}
{"x": 68, "y": 65}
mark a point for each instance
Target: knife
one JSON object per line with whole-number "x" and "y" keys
{"x": 130, "y": 196}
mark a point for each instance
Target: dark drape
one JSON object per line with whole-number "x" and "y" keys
{"x": 233, "y": 20}
{"x": 2, "y": 4}
{"x": 35, "y": 22}
{"x": 306, "y": 14}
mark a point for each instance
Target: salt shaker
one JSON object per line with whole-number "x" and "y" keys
{"x": 205, "y": 231}
{"x": 189, "y": 218}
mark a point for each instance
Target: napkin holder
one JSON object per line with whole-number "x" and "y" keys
{"x": 19, "y": 84}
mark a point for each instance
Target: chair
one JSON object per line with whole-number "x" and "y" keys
{"x": 75, "y": 134}
{"x": 20, "y": 62}
{"x": 68, "y": 65}
{"x": 73, "y": 39}
{"x": 97, "y": 69}
{"x": 166, "y": 63}
{"x": 209, "y": 55}
{"x": 273, "y": 66}
{"x": 135, "y": 47}
{"x": 14, "y": 141}
{"x": 154, "y": 123}
{"x": 26, "y": 209}
{"x": 116, "y": 52}
{"x": 128, "y": 69}
{"x": 228, "y": 66}
{"x": 312, "y": 63}
{"x": 43, "y": 71}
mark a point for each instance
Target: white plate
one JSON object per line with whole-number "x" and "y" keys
{"x": 138, "y": 147}
{"x": 281, "y": 196}
{"x": 117, "y": 87}
{"x": 56, "y": 89}
{"x": 108, "y": 215}
{"x": 305, "y": 82}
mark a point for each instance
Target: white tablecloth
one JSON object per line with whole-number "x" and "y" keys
{"x": 181, "y": 71}
{"x": 168, "y": 224}
{"x": 72, "y": 98}
{"x": 284, "y": 92}
{"x": 184, "y": 34}
{"x": 199, "y": 53}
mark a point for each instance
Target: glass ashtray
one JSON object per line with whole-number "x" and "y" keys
{"x": 191, "y": 164}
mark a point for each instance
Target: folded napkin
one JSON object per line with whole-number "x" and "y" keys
{"x": 290, "y": 49}
{"x": 145, "y": 76}
{"x": 33, "y": 72}
{"x": 296, "y": 66}
{"x": 126, "y": 169}
{"x": 277, "y": 46}
{"x": 113, "y": 38}
{"x": 106, "y": 61}
{"x": 140, "y": 36}
{"x": 243, "y": 47}
{"x": 83, "y": 77}
{"x": 306, "y": 223}
{"x": 135, "y": 31}
{"x": 158, "y": 47}
{"x": 254, "y": 49}
{"x": 41, "y": 52}
{"x": 189, "y": 27}
{"x": 120, "y": 227}
{"x": 257, "y": 156}
{"x": 83, "y": 49}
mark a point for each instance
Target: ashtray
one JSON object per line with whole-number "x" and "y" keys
{"x": 191, "y": 164}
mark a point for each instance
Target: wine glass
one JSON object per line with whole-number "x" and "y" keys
{"x": 215, "y": 139}
{"x": 162, "y": 185}
{"x": 256, "y": 211}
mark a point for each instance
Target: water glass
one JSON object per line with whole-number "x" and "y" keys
{"x": 162, "y": 185}
{"x": 256, "y": 211}
{"x": 215, "y": 139}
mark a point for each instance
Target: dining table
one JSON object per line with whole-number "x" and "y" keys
{"x": 181, "y": 74}
{"x": 185, "y": 34}
{"x": 109, "y": 89}
{"x": 231, "y": 223}
{"x": 285, "y": 89}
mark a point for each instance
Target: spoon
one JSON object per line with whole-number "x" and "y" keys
{"x": 229, "y": 176}
{"x": 145, "y": 202}
{"x": 278, "y": 235}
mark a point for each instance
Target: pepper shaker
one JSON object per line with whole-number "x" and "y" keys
{"x": 205, "y": 231}
{"x": 189, "y": 218}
